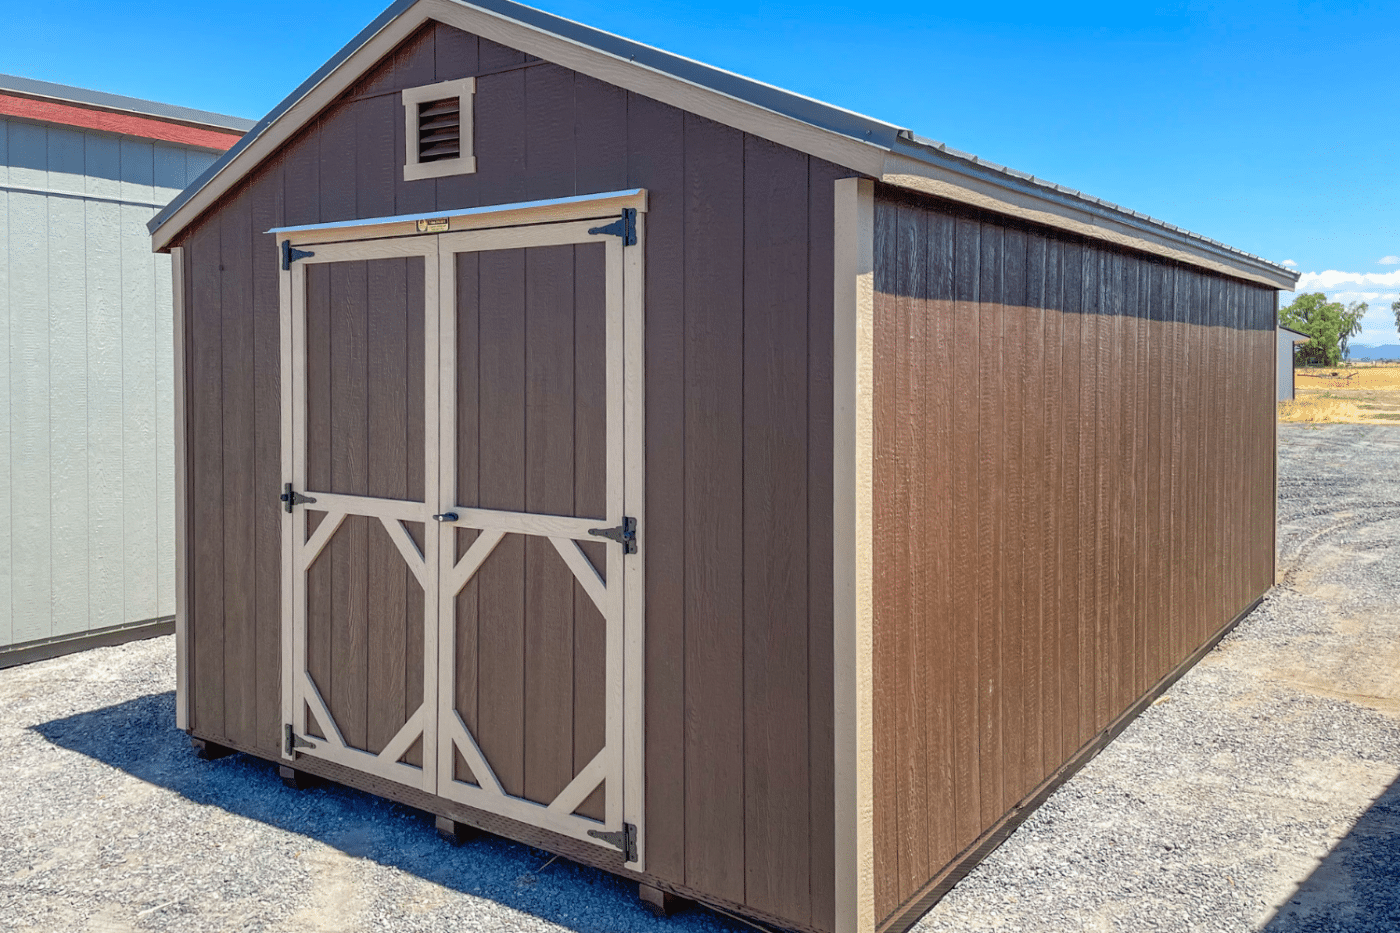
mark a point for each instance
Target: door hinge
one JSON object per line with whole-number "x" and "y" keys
{"x": 625, "y": 227}
{"x": 624, "y": 839}
{"x": 292, "y": 741}
{"x": 291, "y": 254}
{"x": 292, "y": 498}
{"x": 624, "y": 534}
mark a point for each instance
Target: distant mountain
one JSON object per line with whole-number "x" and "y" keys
{"x": 1390, "y": 351}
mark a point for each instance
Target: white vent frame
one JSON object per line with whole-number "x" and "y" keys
{"x": 464, "y": 89}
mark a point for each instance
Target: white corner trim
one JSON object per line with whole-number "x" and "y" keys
{"x": 853, "y": 548}
{"x": 182, "y": 563}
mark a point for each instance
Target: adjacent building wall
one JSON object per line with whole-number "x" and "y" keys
{"x": 86, "y": 423}
{"x": 1285, "y": 365}
{"x": 738, "y": 421}
{"x": 1074, "y": 481}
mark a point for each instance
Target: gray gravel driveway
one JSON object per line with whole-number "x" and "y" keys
{"x": 1261, "y": 794}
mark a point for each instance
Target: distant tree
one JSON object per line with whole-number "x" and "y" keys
{"x": 1330, "y": 324}
{"x": 1395, "y": 307}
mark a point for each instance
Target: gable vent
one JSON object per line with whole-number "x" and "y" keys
{"x": 437, "y": 129}
{"x": 440, "y": 129}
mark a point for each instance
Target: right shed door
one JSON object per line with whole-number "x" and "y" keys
{"x": 531, "y": 600}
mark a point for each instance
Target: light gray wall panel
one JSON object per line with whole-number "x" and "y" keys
{"x": 29, "y": 402}
{"x": 102, "y": 164}
{"x": 1285, "y": 366}
{"x": 68, "y": 406}
{"x": 66, "y": 157}
{"x": 195, "y": 164}
{"x": 165, "y": 417}
{"x": 171, "y": 170}
{"x": 87, "y": 451}
{"x": 6, "y": 559}
{"x": 108, "y": 416}
{"x": 141, "y": 492}
{"x": 29, "y": 155}
{"x": 138, "y": 170}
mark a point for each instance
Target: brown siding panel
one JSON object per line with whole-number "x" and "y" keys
{"x": 714, "y": 515}
{"x": 1097, "y": 430}
{"x": 821, "y": 179}
{"x": 887, "y": 637}
{"x": 206, "y": 490}
{"x": 776, "y": 791}
{"x": 940, "y": 651}
{"x": 240, "y": 620}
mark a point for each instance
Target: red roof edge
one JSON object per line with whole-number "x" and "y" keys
{"x": 109, "y": 122}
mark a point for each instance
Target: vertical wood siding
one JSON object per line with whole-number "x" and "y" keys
{"x": 86, "y": 390}
{"x": 1074, "y": 482}
{"x": 738, "y": 420}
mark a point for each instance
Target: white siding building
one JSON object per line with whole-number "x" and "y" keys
{"x": 86, "y": 392}
{"x": 1287, "y": 339}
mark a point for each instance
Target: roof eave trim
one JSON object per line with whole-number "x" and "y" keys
{"x": 876, "y": 149}
{"x": 964, "y": 179}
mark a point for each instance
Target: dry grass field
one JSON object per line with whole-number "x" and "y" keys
{"x": 1358, "y": 393}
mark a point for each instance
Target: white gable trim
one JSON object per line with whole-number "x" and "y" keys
{"x": 842, "y": 150}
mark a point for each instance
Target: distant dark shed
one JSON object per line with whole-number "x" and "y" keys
{"x": 726, "y": 490}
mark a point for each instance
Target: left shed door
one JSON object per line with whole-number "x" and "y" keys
{"x": 357, "y": 368}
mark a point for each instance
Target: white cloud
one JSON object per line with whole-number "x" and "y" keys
{"x": 1293, "y": 265}
{"x": 1389, "y": 261}
{"x": 1331, "y": 279}
{"x": 1368, "y": 297}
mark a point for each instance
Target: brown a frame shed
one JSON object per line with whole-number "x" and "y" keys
{"x": 725, "y": 490}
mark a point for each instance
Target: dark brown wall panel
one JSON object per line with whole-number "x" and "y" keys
{"x": 205, "y": 506}
{"x": 738, "y": 386}
{"x": 1073, "y": 486}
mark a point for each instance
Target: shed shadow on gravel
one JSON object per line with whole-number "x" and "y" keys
{"x": 1357, "y": 886}
{"x": 137, "y": 737}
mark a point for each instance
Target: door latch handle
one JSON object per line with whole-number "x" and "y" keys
{"x": 446, "y": 517}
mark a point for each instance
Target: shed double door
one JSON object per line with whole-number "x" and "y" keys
{"x": 457, "y": 406}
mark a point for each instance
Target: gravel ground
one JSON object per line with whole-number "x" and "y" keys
{"x": 1261, "y": 794}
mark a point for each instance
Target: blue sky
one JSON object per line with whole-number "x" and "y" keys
{"x": 1268, "y": 127}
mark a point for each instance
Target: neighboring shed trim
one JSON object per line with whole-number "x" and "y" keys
{"x": 116, "y": 103}
{"x": 88, "y": 118}
{"x": 880, "y": 150}
{"x": 853, "y": 469}
{"x": 47, "y": 648}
